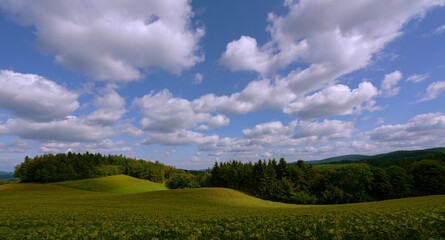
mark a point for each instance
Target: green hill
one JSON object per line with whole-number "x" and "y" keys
{"x": 114, "y": 184}
{"x": 380, "y": 159}
{"x": 43, "y": 211}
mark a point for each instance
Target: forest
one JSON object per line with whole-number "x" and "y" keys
{"x": 271, "y": 180}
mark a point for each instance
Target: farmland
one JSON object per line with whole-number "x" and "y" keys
{"x": 42, "y": 211}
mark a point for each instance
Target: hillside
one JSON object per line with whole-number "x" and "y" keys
{"x": 7, "y": 176}
{"x": 66, "y": 213}
{"x": 114, "y": 184}
{"x": 380, "y": 159}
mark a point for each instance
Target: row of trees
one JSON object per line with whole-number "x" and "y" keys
{"x": 356, "y": 182}
{"x": 63, "y": 167}
{"x": 272, "y": 180}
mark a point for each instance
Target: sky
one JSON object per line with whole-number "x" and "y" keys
{"x": 191, "y": 83}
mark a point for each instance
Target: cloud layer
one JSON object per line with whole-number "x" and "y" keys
{"x": 113, "y": 40}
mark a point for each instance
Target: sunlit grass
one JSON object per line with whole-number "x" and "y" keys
{"x": 41, "y": 211}
{"x": 114, "y": 184}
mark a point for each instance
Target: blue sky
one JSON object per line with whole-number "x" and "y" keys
{"x": 188, "y": 83}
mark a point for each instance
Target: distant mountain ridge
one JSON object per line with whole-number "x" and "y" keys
{"x": 380, "y": 159}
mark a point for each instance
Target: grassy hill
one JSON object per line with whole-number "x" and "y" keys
{"x": 380, "y": 159}
{"x": 41, "y": 211}
{"x": 114, "y": 184}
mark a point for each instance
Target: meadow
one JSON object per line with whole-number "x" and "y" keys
{"x": 51, "y": 211}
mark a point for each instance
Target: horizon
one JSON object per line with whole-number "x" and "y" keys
{"x": 185, "y": 84}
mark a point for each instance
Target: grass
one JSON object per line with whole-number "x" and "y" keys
{"x": 45, "y": 211}
{"x": 114, "y": 184}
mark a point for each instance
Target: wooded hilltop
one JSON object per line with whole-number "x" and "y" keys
{"x": 272, "y": 180}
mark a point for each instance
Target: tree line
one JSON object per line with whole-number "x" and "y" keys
{"x": 304, "y": 184}
{"x": 63, "y": 167}
{"x": 272, "y": 180}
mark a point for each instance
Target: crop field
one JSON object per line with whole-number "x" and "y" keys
{"x": 114, "y": 184}
{"x": 47, "y": 211}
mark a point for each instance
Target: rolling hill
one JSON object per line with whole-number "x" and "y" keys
{"x": 114, "y": 184}
{"x": 380, "y": 159}
{"x": 42, "y": 211}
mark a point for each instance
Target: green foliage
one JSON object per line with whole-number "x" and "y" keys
{"x": 429, "y": 177}
{"x": 64, "y": 167}
{"x": 182, "y": 179}
{"x": 43, "y": 211}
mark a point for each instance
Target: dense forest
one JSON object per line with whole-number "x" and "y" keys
{"x": 71, "y": 166}
{"x": 355, "y": 182}
{"x": 271, "y": 180}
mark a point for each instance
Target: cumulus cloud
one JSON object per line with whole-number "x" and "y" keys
{"x": 178, "y": 138}
{"x": 15, "y": 145}
{"x": 164, "y": 113}
{"x": 346, "y": 36}
{"x": 70, "y": 129}
{"x": 424, "y": 130}
{"x": 433, "y": 91}
{"x": 110, "y": 108}
{"x": 326, "y": 130}
{"x": 257, "y": 95}
{"x": 416, "y": 78}
{"x": 34, "y": 97}
{"x": 113, "y": 40}
{"x": 270, "y": 128}
{"x": 105, "y": 146}
{"x": 334, "y": 100}
{"x": 389, "y": 83}
{"x": 344, "y": 40}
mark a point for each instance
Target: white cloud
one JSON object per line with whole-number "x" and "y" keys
{"x": 389, "y": 83}
{"x": 15, "y": 145}
{"x": 325, "y": 130}
{"x": 71, "y": 129}
{"x": 424, "y": 130}
{"x": 257, "y": 95}
{"x": 270, "y": 128}
{"x": 341, "y": 34}
{"x": 433, "y": 91}
{"x": 198, "y": 79}
{"x": 343, "y": 40}
{"x": 164, "y": 113}
{"x": 105, "y": 146}
{"x": 334, "y": 100}
{"x": 178, "y": 138}
{"x": 34, "y": 97}
{"x": 418, "y": 77}
{"x": 111, "y": 107}
{"x": 113, "y": 40}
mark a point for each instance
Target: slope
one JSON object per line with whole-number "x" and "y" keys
{"x": 41, "y": 211}
{"x": 114, "y": 184}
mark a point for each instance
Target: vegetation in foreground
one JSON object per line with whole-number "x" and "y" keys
{"x": 47, "y": 211}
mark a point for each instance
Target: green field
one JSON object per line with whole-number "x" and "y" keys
{"x": 114, "y": 184}
{"x": 45, "y": 211}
